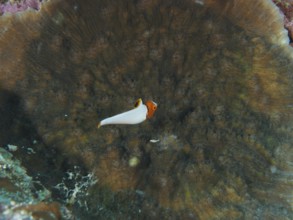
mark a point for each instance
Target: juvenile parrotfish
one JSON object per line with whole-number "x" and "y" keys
{"x": 140, "y": 113}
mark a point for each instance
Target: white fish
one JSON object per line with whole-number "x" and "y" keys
{"x": 140, "y": 113}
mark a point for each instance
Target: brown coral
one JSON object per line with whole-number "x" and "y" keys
{"x": 286, "y": 8}
{"x": 223, "y": 84}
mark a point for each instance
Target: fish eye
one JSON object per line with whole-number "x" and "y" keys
{"x": 154, "y": 107}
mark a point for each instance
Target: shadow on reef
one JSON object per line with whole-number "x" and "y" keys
{"x": 224, "y": 119}
{"x": 16, "y": 127}
{"x": 14, "y": 123}
{"x": 17, "y": 130}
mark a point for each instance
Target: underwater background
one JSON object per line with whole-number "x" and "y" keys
{"x": 218, "y": 147}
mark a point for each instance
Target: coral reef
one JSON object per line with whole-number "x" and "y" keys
{"x": 74, "y": 187}
{"x": 220, "y": 144}
{"x": 286, "y": 6}
{"x": 15, "y": 6}
{"x": 21, "y": 197}
{"x": 258, "y": 20}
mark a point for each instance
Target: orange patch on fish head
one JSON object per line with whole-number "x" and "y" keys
{"x": 152, "y": 107}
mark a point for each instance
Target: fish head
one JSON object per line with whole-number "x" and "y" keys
{"x": 152, "y": 107}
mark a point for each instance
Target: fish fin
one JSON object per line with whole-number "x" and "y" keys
{"x": 138, "y": 103}
{"x": 99, "y": 125}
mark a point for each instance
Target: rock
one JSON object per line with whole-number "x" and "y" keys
{"x": 19, "y": 197}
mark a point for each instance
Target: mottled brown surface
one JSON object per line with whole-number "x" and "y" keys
{"x": 223, "y": 85}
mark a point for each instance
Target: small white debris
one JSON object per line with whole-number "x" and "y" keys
{"x": 12, "y": 147}
{"x": 133, "y": 162}
{"x": 140, "y": 192}
{"x": 273, "y": 169}
{"x": 30, "y": 151}
{"x": 154, "y": 140}
{"x": 200, "y": 2}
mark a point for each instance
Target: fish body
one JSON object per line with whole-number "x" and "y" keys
{"x": 140, "y": 113}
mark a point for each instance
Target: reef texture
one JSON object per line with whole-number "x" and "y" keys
{"x": 21, "y": 197}
{"x": 286, "y": 6}
{"x": 221, "y": 73}
{"x": 15, "y": 6}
